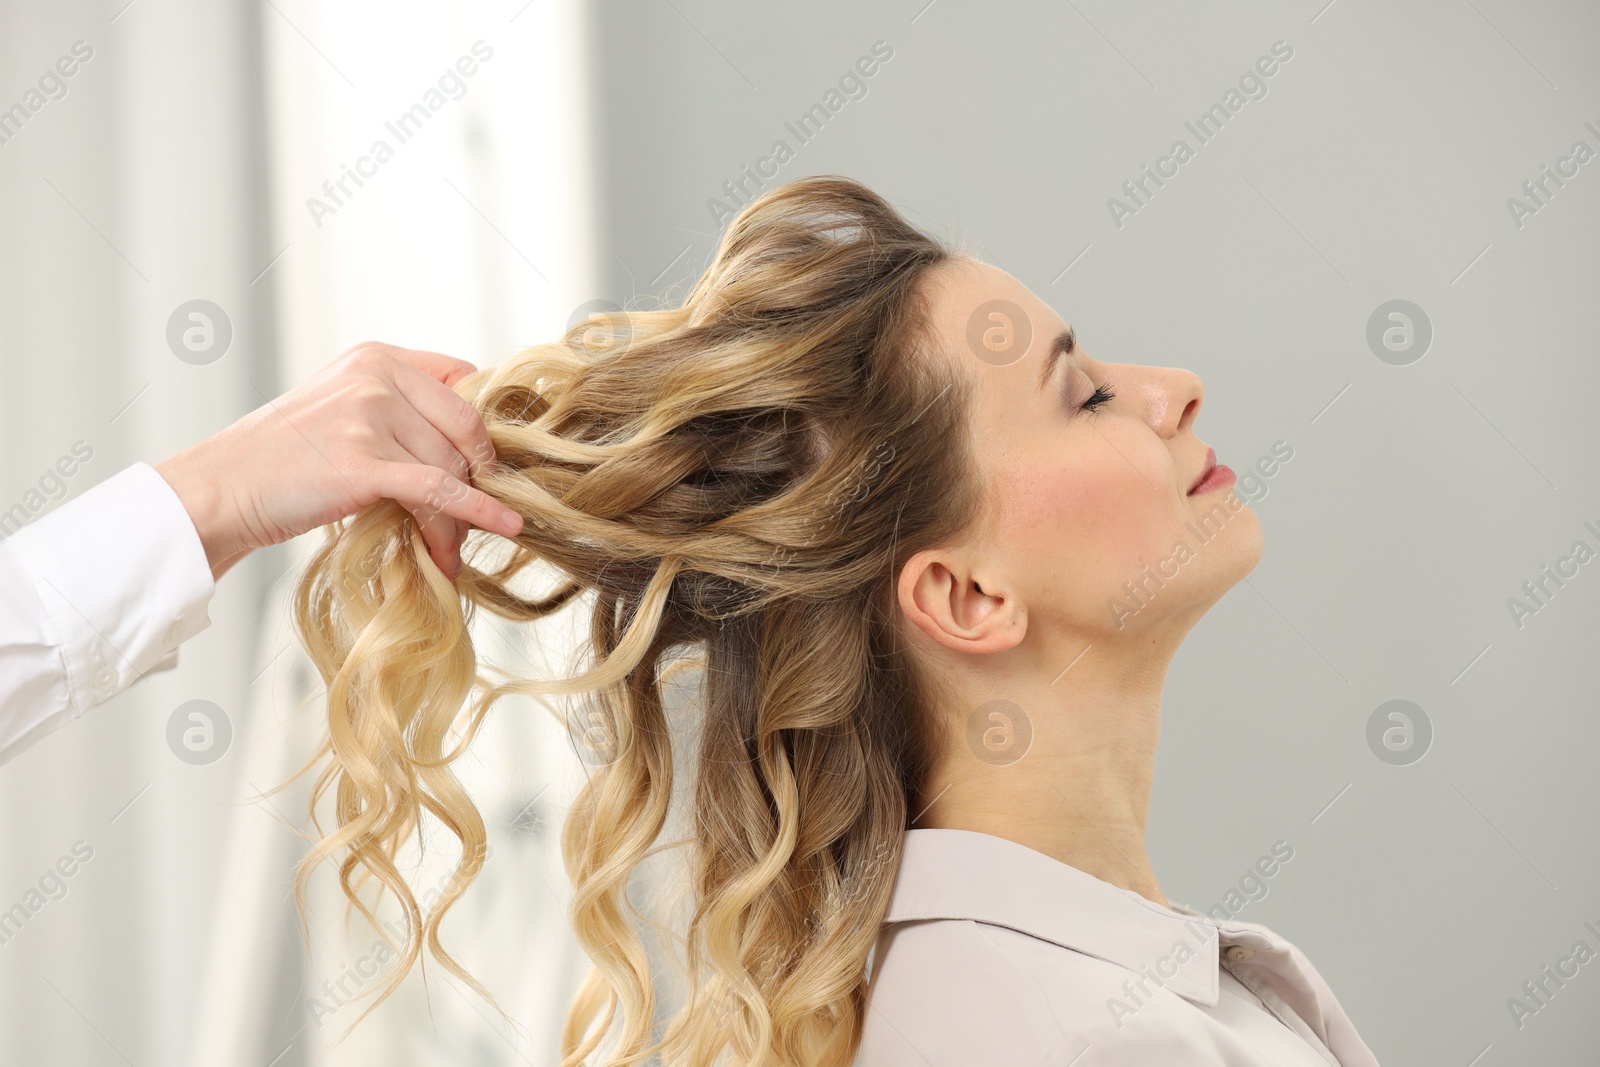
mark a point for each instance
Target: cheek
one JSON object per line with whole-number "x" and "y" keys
{"x": 1084, "y": 527}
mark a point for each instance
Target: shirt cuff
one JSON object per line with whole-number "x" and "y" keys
{"x": 123, "y": 578}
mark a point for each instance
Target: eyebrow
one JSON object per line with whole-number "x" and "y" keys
{"x": 1062, "y": 345}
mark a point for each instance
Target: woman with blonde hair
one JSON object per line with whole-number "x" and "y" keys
{"x": 936, "y": 560}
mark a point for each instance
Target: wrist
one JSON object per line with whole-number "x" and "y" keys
{"x": 206, "y": 504}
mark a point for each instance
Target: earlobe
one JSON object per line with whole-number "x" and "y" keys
{"x": 956, "y": 611}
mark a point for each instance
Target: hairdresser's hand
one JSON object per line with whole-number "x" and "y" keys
{"x": 378, "y": 422}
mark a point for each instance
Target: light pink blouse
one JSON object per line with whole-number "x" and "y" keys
{"x": 993, "y": 953}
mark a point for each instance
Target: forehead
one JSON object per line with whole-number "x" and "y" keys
{"x": 988, "y": 321}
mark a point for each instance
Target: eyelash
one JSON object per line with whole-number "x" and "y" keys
{"x": 1100, "y": 396}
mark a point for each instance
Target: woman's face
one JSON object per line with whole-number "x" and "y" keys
{"x": 1085, "y": 495}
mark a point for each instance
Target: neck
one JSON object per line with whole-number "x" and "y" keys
{"x": 1081, "y": 790}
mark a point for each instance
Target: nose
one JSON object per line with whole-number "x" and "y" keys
{"x": 1188, "y": 393}
{"x": 1172, "y": 396}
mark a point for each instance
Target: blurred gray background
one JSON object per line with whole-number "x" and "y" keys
{"x": 1383, "y": 160}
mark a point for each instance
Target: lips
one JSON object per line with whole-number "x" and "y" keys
{"x": 1211, "y": 463}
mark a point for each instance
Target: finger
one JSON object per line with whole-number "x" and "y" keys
{"x": 439, "y": 534}
{"x": 417, "y": 485}
{"x": 447, "y": 370}
{"x": 442, "y": 368}
{"x": 440, "y": 531}
{"x": 429, "y": 493}
{"x": 444, "y": 537}
{"x": 423, "y": 442}
{"x": 451, "y": 415}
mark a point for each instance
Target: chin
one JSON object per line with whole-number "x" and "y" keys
{"x": 1228, "y": 557}
{"x": 1241, "y": 548}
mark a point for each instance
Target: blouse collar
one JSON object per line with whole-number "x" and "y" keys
{"x": 961, "y": 874}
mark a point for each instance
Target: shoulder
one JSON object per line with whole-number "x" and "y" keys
{"x": 946, "y": 985}
{"x": 958, "y": 991}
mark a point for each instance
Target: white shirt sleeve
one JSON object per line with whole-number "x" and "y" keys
{"x": 93, "y": 596}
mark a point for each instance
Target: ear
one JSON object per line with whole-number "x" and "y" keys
{"x": 943, "y": 596}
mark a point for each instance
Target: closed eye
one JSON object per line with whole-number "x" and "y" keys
{"x": 1100, "y": 396}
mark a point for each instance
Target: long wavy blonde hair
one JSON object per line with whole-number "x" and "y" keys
{"x": 740, "y": 476}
